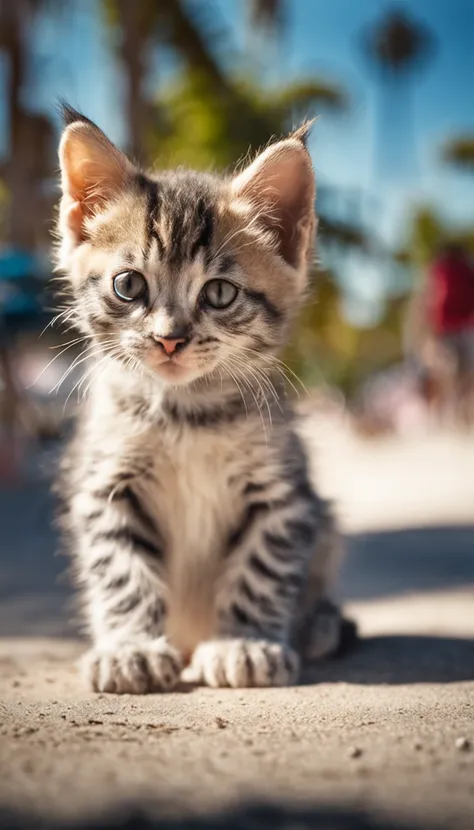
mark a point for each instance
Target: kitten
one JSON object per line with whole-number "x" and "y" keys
{"x": 198, "y": 538}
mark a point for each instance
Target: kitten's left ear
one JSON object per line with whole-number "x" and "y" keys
{"x": 280, "y": 187}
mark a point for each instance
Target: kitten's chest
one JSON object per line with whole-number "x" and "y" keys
{"x": 195, "y": 503}
{"x": 196, "y": 475}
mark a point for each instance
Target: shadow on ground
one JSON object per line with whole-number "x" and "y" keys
{"x": 393, "y": 562}
{"x": 265, "y": 817}
{"x": 399, "y": 659}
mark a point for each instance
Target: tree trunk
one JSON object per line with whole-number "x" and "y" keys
{"x": 133, "y": 52}
{"x": 21, "y": 224}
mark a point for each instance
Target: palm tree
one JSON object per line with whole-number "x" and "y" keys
{"x": 265, "y": 28}
{"x": 141, "y": 27}
{"x": 144, "y": 25}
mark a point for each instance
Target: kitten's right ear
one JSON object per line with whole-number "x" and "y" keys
{"x": 280, "y": 187}
{"x": 93, "y": 171}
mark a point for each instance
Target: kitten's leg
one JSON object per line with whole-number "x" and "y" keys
{"x": 267, "y": 566}
{"x": 120, "y": 562}
{"x": 321, "y": 630}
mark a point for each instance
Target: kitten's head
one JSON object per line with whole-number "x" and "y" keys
{"x": 180, "y": 272}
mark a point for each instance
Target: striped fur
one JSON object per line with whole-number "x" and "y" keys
{"x": 198, "y": 538}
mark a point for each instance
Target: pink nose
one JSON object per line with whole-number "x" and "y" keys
{"x": 170, "y": 344}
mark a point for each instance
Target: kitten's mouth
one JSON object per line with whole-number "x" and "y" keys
{"x": 172, "y": 370}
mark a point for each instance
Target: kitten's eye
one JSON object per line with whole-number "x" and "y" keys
{"x": 129, "y": 286}
{"x": 219, "y": 293}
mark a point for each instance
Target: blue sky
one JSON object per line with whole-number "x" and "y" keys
{"x": 323, "y": 39}
{"x": 74, "y": 58}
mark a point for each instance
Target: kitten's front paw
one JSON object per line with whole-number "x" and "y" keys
{"x": 242, "y": 663}
{"x": 133, "y": 668}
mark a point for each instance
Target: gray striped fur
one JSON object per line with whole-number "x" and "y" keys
{"x": 198, "y": 538}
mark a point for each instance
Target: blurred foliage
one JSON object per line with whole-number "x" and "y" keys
{"x": 223, "y": 129}
{"x": 221, "y": 111}
{"x": 142, "y": 26}
{"x": 327, "y": 348}
{"x": 341, "y": 233}
{"x": 427, "y": 234}
{"x": 460, "y": 152}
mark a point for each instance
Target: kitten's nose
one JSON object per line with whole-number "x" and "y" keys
{"x": 171, "y": 344}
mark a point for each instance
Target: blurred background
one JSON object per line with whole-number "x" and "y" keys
{"x": 384, "y": 350}
{"x": 199, "y": 82}
{"x": 385, "y": 345}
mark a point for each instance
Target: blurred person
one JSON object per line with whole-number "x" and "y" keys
{"x": 439, "y": 333}
{"x": 422, "y": 359}
{"x": 450, "y": 317}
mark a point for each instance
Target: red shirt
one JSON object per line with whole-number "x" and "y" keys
{"x": 451, "y": 295}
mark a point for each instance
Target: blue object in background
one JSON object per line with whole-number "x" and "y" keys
{"x": 16, "y": 265}
{"x": 20, "y": 288}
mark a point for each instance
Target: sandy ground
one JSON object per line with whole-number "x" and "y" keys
{"x": 377, "y": 733}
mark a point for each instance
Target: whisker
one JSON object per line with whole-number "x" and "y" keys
{"x": 280, "y": 366}
{"x": 262, "y": 392}
{"x": 54, "y": 320}
{"x": 72, "y": 342}
{"x": 86, "y": 354}
{"x": 269, "y": 385}
{"x": 288, "y": 380}
{"x": 90, "y": 371}
{"x": 249, "y": 386}
{"x": 253, "y": 371}
{"x": 224, "y": 363}
{"x": 45, "y": 368}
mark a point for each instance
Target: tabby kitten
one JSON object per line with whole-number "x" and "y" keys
{"x": 198, "y": 538}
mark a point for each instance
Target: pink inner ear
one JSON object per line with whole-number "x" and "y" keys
{"x": 280, "y": 185}
{"x": 93, "y": 170}
{"x": 80, "y": 174}
{"x": 74, "y": 217}
{"x": 291, "y": 184}
{"x": 89, "y": 182}
{"x": 74, "y": 213}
